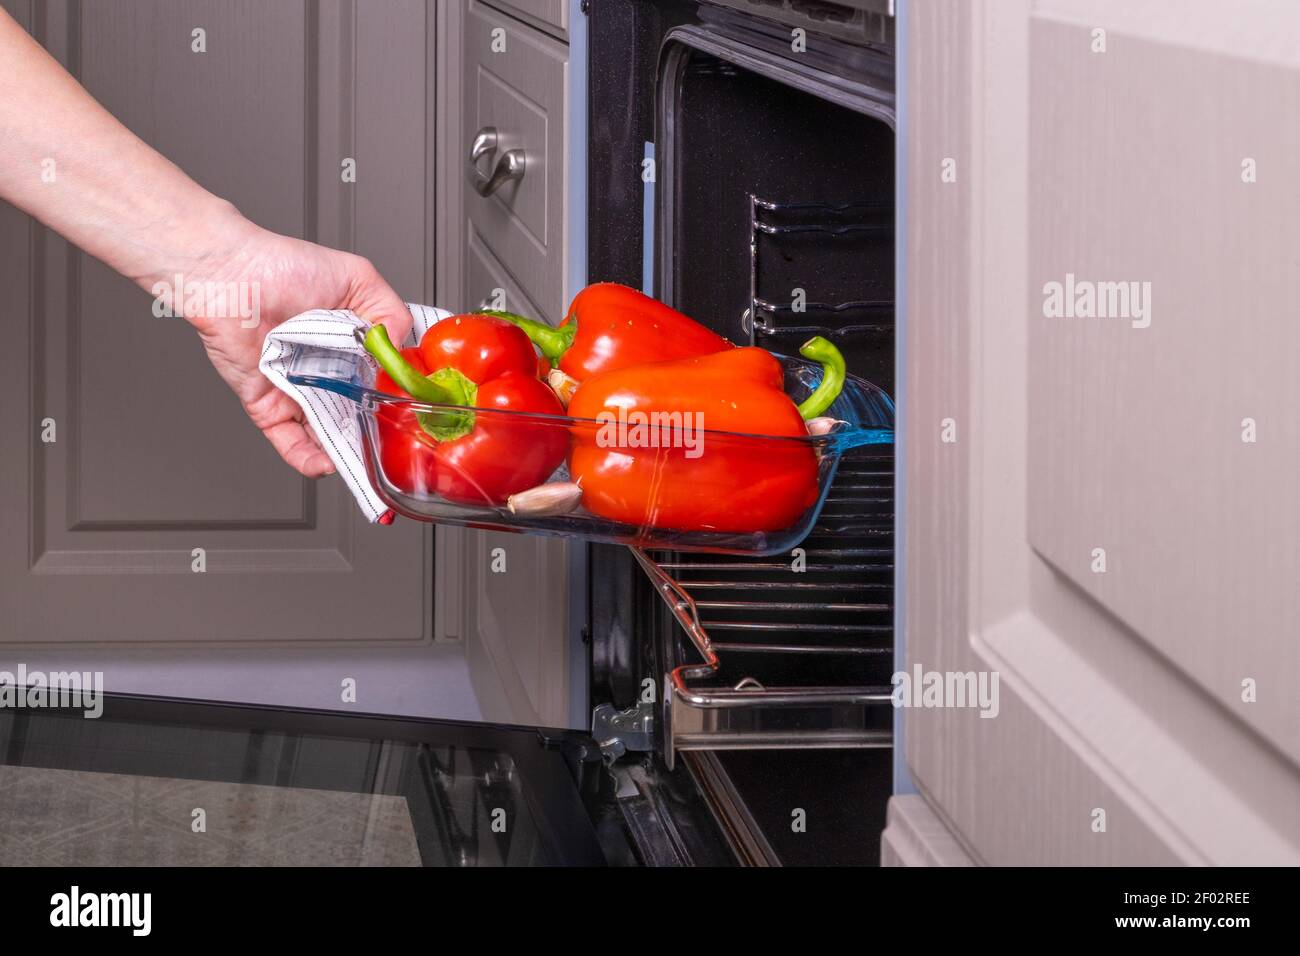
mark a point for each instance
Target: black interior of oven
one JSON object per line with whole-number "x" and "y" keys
{"x": 744, "y": 135}
{"x": 821, "y": 179}
{"x": 738, "y": 136}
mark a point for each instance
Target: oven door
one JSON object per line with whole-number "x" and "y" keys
{"x": 156, "y": 781}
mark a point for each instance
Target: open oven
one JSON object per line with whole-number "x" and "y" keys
{"x": 767, "y": 211}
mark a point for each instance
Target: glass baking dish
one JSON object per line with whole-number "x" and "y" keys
{"x": 718, "y": 480}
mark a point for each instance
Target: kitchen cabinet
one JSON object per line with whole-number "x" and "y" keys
{"x": 152, "y": 457}
{"x": 101, "y": 525}
{"x": 515, "y": 82}
{"x": 1100, "y": 509}
{"x": 549, "y": 16}
{"x": 509, "y": 83}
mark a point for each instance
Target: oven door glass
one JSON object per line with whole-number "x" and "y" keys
{"x": 161, "y": 782}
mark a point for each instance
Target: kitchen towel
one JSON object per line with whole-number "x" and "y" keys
{"x": 332, "y": 417}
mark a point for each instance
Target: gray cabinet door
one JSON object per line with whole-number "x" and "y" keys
{"x": 1101, "y": 504}
{"x": 516, "y": 83}
{"x": 153, "y": 457}
{"x": 517, "y": 601}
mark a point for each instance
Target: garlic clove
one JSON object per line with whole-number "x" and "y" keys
{"x": 823, "y": 425}
{"x": 553, "y": 498}
{"x": 562, "y": 384}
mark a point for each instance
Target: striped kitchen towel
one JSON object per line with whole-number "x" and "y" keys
{"x": 332, "y": 417}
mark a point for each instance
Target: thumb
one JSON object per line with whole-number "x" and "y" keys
{"x": 375, "y": 301}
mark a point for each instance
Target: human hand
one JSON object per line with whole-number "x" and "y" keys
{"x": 283, "y": 276}
{"x": 124, "y": 203}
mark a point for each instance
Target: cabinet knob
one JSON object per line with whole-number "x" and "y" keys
{"x": 510, "y": 167}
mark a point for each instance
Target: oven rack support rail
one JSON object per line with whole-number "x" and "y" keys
{"x": 830, "y": 221}
{"x": 748, "y": 715}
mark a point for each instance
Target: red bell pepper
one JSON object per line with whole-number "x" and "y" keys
{"x": 611, "y": 326}
{"x": 477, "y": 361}
{"x": 405, "y": 448}
{"x": 727, "y": 478}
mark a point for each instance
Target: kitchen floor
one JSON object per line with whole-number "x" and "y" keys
{"x": 82, "y": 818}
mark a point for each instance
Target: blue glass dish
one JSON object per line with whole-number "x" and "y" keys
{"x": 864, "y": 414}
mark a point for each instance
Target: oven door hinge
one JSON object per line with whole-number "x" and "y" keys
{"x": 620, "y": 731}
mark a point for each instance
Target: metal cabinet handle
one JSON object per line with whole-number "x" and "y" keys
{"x": 509, "y": 167}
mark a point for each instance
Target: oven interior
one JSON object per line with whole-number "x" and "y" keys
{"x": 774, "y": 223}
{"x": 777, "y": 191}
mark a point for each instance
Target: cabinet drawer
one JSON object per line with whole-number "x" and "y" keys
{"x": 515, "y": 88}
{"x": 484, "y": 275}
{"x": 549, "y": 15}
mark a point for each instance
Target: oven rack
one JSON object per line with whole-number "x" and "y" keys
{"x": 767, "y": 318}
{"x": 772, "y": 651}
{"x": 822, "y": 212}
{"x": 799, "y": 221}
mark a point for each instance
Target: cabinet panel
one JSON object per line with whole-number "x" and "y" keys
{"x": 1159, "y": 435}
{"x": 520, "y": 600}
{"x": 515, "y": 82}
{"x": 153, "y": 457}
{"x": 485, "y": 275}
{"x": 1121, "y": 735}
{"x": 520, "y": 625}
{"x": 549, "y": 15}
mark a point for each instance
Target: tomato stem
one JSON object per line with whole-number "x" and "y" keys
{"x": 822, "y": 350}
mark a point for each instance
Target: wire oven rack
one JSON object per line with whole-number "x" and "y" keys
{"x": 807, "y": 234}
{"x": 783, "y": 658}
{"x": 797, "y": 652}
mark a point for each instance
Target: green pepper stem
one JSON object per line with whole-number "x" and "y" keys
{"x": 553, "y": 341}
{"x": 820, "y": 349}
{"x": 400, "y": 371}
